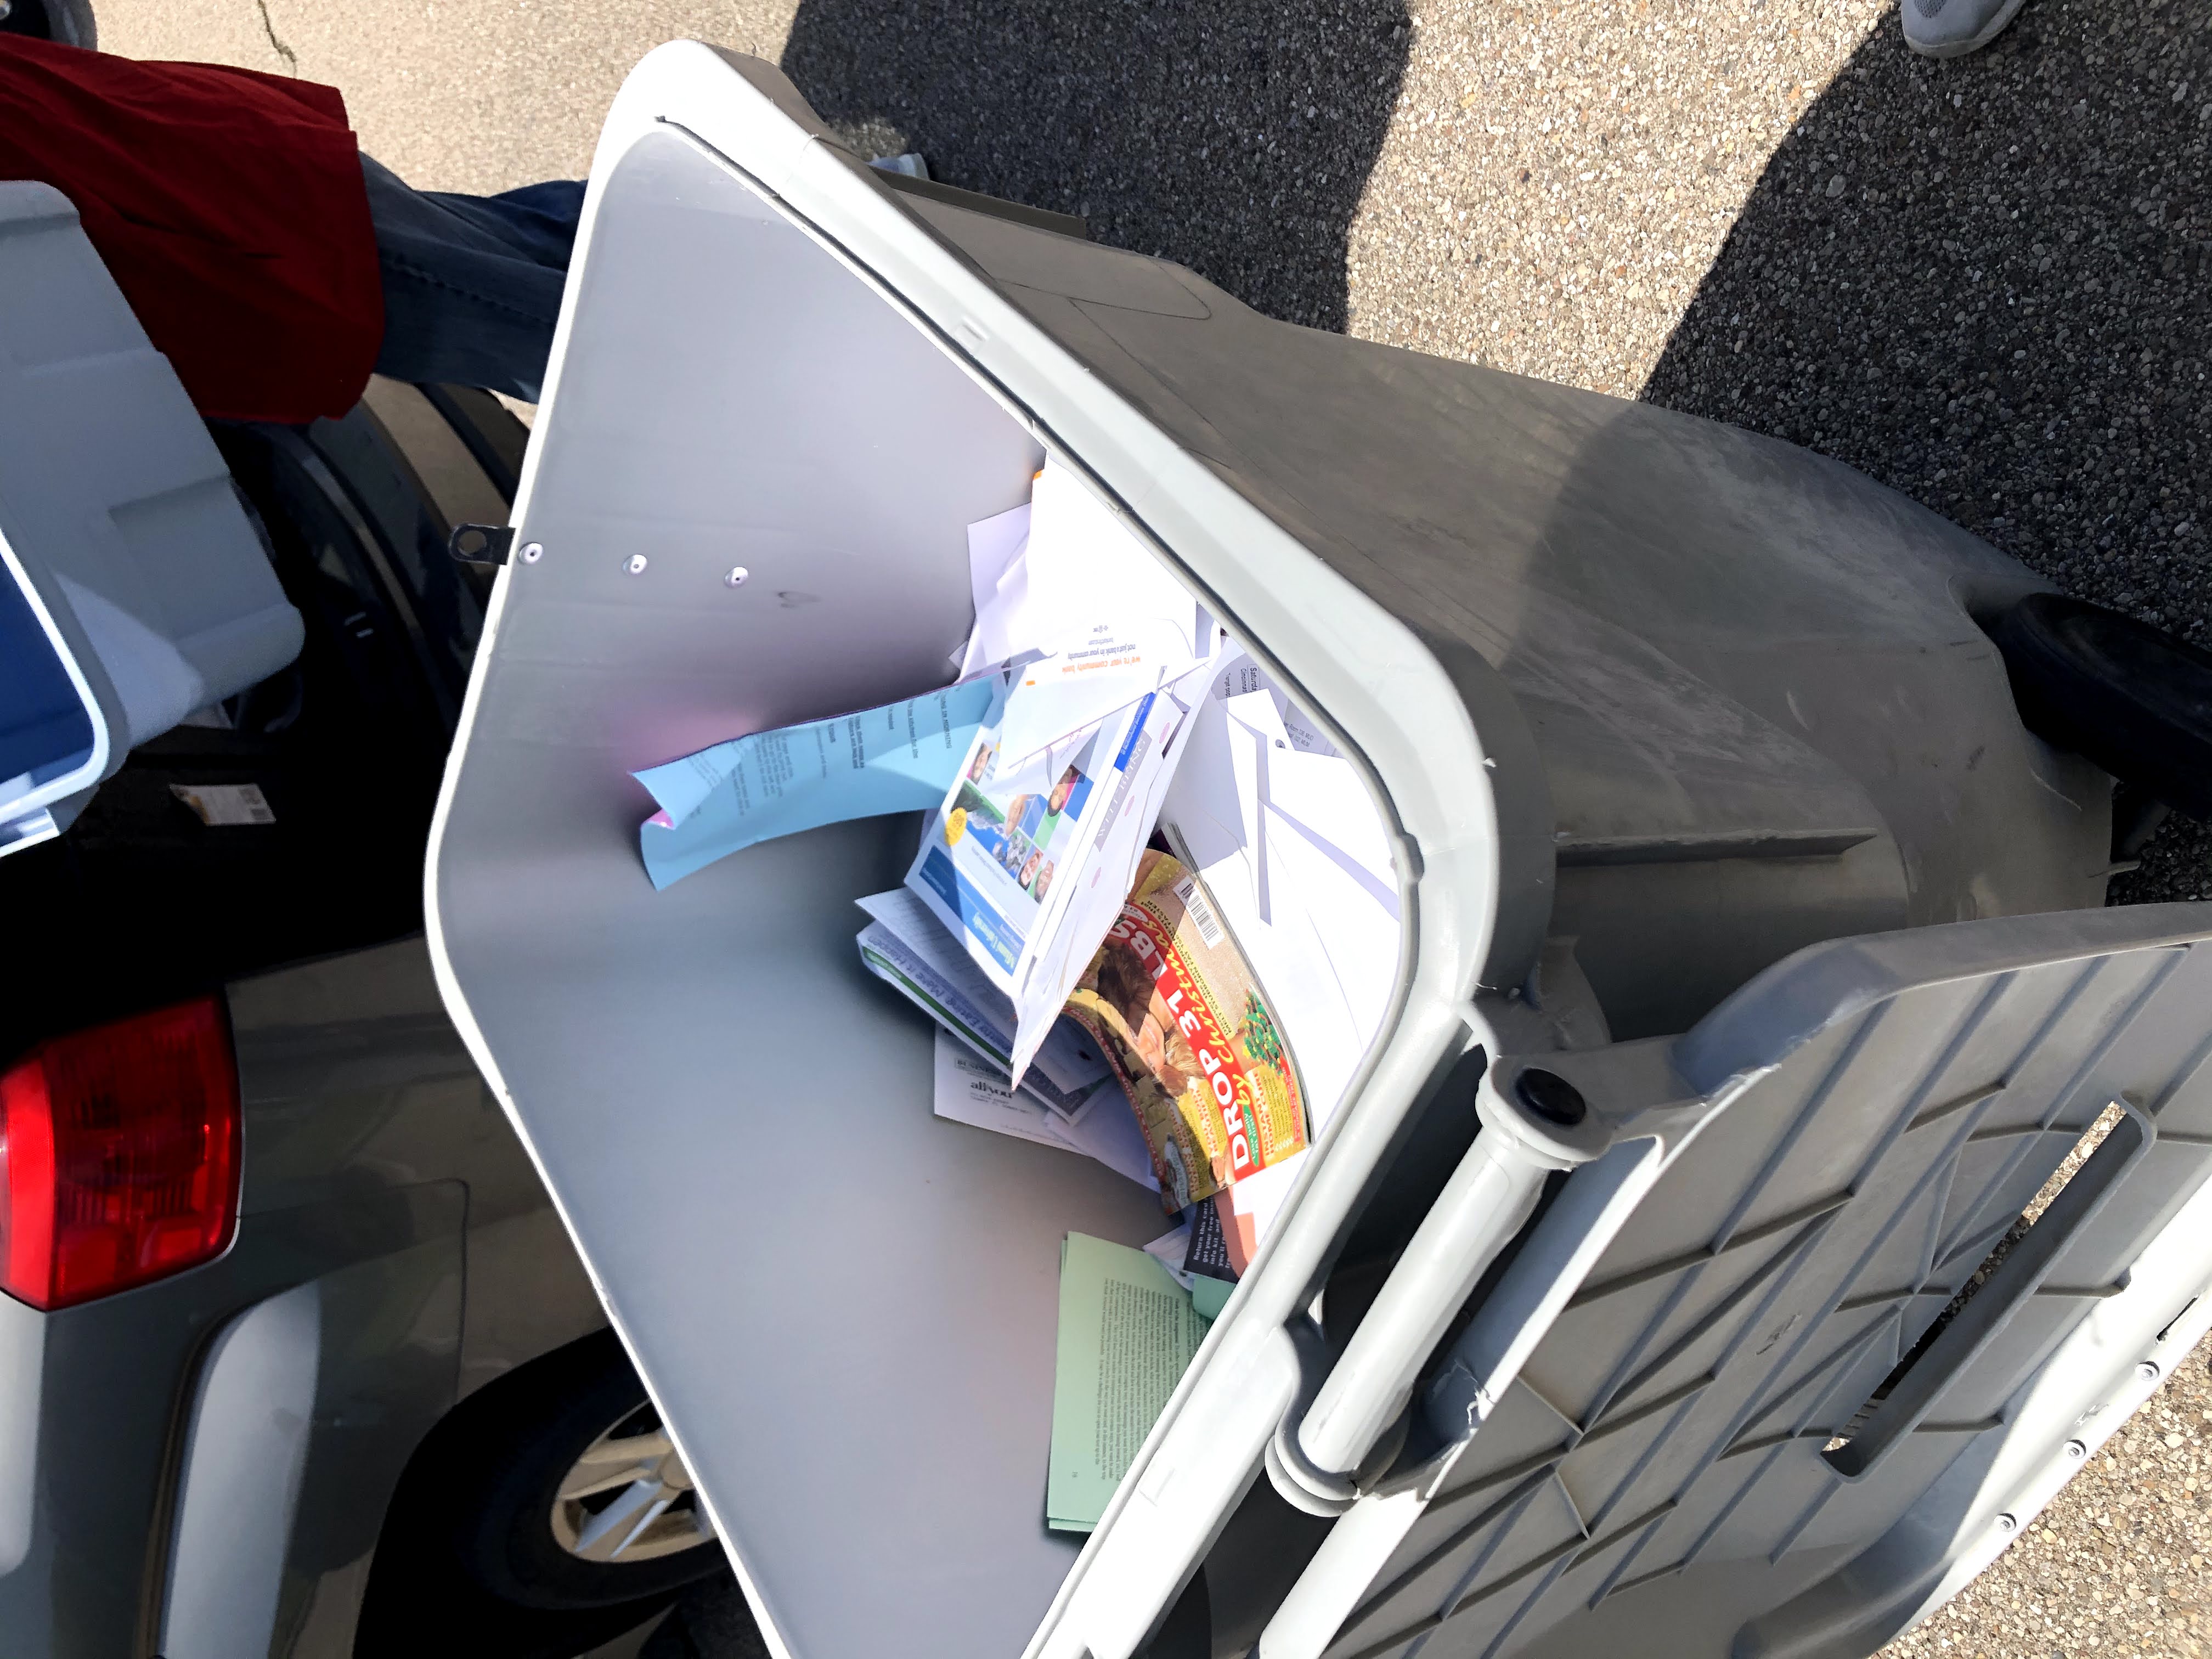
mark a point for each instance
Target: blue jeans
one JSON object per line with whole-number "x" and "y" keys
{"x": 471, "y": 283}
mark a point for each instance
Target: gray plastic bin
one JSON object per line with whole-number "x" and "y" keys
{"x": 133, "y": 591}
{"x": 1648, "y": 704}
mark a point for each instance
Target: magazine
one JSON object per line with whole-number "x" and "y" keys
{"x": 1191, "y": 1038}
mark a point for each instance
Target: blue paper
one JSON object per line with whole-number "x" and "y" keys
{"x": 899, "y": 758}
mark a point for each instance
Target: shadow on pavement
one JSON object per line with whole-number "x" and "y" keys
{"x": 1988, "y": 282}
{"x": 1233, "y": 137}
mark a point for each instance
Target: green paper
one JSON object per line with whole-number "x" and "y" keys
{"x": 1127, "y": 1331}
{"x": 1210, "y": 1295}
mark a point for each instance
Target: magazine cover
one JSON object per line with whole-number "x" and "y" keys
{"x": 1191, "y": 1038}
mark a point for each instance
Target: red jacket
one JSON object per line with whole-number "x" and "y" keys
{"x": 229, "y": 207}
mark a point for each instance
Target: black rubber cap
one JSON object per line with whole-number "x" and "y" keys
{"x": 1551, "y": 1097}
{"x": 2133, "y": 698}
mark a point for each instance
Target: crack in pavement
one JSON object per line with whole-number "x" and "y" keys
{"x": 269, "y": 28}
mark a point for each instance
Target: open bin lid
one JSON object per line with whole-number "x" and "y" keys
{"x": 771, "y": 361}
{"x": 133, "y": 590}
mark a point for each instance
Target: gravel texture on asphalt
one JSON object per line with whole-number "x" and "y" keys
{"x": 2116, "y": 1566}
{"x": 1987, "y": 282}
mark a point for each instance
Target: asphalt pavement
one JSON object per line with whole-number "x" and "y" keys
{"x": 1987, "y": 282}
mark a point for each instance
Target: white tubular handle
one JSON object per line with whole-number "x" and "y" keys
{"x": 1489, "y": 1198}
{"x": 1339, "y": 1576}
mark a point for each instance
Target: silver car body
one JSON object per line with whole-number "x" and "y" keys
{"x": 200, "y": 1467}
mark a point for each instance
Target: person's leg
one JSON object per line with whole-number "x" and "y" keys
{"x": 539, "y": 222}
{"x": 471, "y": 283}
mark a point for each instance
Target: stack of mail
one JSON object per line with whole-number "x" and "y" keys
{"x": 903, "y": 946}
{"x": 1098, "y": 704}
{"x": 1104, "y": 657}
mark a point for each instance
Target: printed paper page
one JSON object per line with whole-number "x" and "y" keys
{"x": 972, "y": 1090}
{"x": 897, "y": 758}
{"x": 1127, "y": 1332}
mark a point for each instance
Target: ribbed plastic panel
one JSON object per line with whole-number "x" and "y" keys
{"x": 1906, "y": 1103}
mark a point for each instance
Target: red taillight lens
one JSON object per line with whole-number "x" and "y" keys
{"x": 118, "y": 1155}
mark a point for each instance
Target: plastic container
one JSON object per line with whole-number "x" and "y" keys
{"x": 137, "y": 591}
{"x": 1647, "y": 704}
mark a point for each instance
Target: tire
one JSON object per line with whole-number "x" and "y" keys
{"x": 565, "y": 1482}
{"x": 492, "y": 1504}
{"x": 2133, "y": 698}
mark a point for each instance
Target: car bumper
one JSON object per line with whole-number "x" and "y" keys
{"x": 192, "y": 1466}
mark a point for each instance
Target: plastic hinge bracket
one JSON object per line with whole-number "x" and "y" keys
{"x": 481, "y": 544}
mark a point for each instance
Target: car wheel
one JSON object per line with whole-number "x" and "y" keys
{"x": 626, "y": 1498}
{"x": 575, "y": 1496}
{"x": 545, "y": 1511}
{"x": 2133, "y": 698}
{"x": 68, "y": 21}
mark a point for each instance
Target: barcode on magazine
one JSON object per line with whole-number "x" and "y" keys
{"x": 1193, "y": 904}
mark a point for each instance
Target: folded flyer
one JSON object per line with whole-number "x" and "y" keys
{"x": 1026, "y": 862}
{"x": 1193, "y": 1040}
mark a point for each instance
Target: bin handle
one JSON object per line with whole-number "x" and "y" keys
{"x": 1540, "y": 1125}
{"x": 1530, "y": 1129}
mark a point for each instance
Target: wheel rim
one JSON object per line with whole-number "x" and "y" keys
{"x": 627, "y": 1497}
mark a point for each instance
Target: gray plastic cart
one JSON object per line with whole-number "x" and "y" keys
{"x": 1676, "y": 730}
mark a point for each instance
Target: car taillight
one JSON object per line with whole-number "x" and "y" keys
{"x": 118, "y": 1155}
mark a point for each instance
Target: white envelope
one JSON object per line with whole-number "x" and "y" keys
{"x": 998, "y": 583}
{"x": 1318, "y": 922}
{"x": 1085, "y": 682}
{"x": 1085, "y": 566}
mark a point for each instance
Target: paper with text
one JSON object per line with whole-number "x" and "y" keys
{"x": 898, "y": 759}
{"x": 1127, "y": 1332}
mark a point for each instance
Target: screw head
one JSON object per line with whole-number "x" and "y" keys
{"x": 2148, "y": 1371}
{"x": 635, "y": 564}
{"x": 1551, "y": 1097}
{"x": 2077, "y": 1448}
{"x": 2008, "y": 1523}
{"x": 532, "y": 551}
{"x": 737, "y": 576}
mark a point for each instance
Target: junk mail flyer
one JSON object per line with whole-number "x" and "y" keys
{"x": 1001, "y": 860}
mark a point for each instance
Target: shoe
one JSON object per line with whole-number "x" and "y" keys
{"x": 1952, "y": 29}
